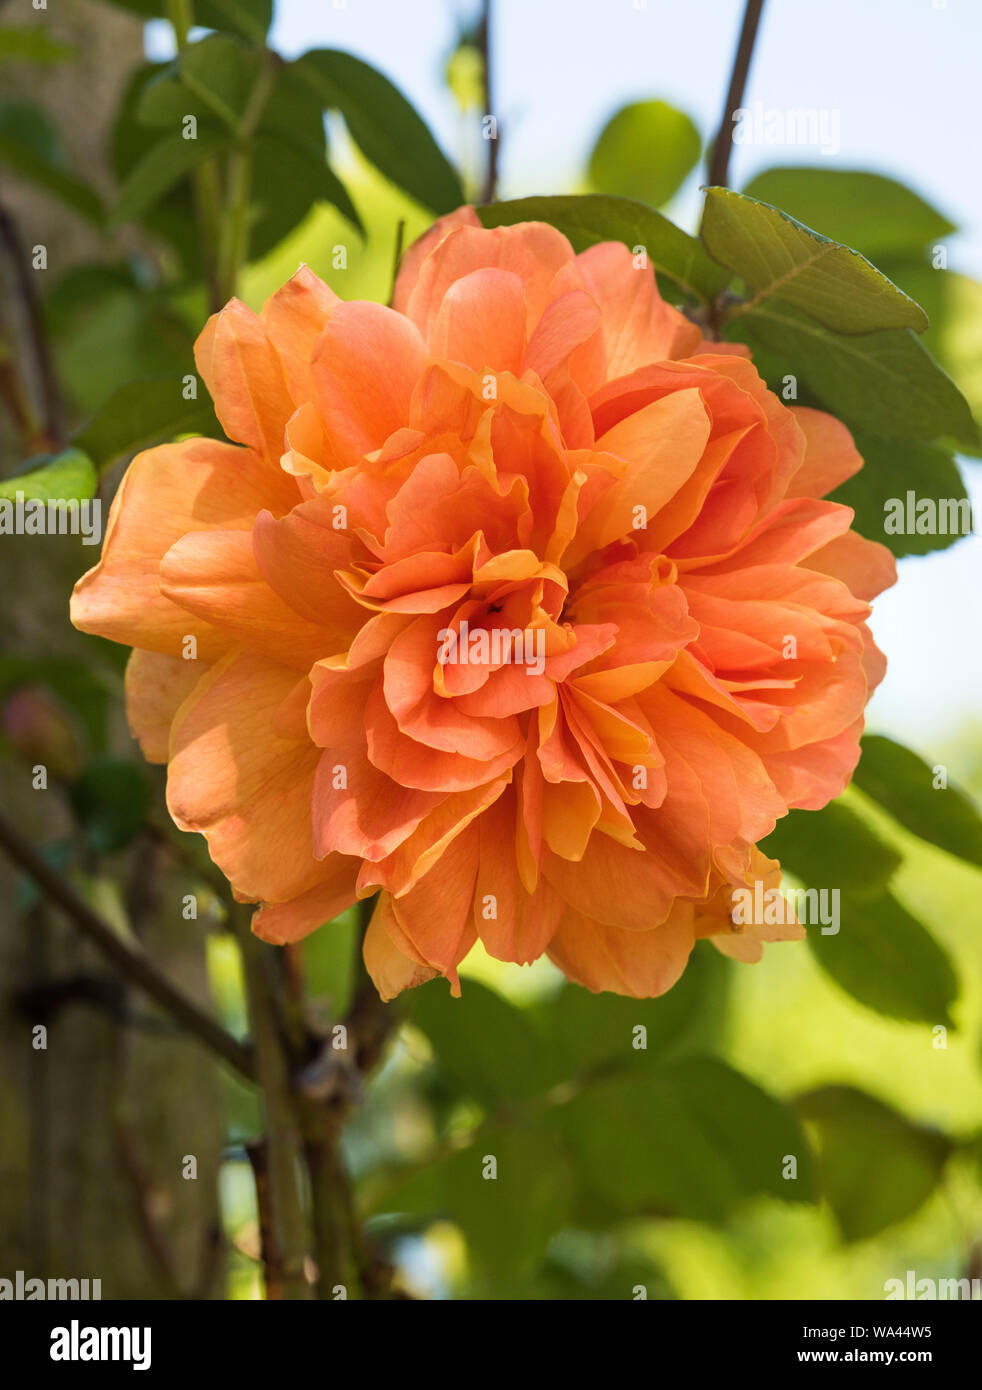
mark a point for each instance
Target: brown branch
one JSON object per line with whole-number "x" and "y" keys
{"x": 52, "y": 435}
{"x": 130, "y": 960}
{"x": 490, "y": 191}
{"x": 719, "y": 168}
{"x": 140, "y": 1182}
{"x": 257, "y": 1151}
{"x": 283, "y": 1142}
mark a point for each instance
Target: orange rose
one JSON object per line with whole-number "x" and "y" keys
{"x": 517, "y": 606}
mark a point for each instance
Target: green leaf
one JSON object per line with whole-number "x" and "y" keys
{"x": 695, "y": 1140}
{"x": 875, "y": 1166}
{"x": 876, "y": 215}
{"x": 832, "y": 848}
{"x": 286, "y": 181}
{"x": 142, "y": 413}
{"x": 33, "y": 45}
{"x": 645, "y": 151}
{"x": 329, "y": 957}
{"x": 106, "y": 327}
{"x": 596, "y": 1031}
{"x": 488, "y": 1046}
{"x": 29, "y": 146}
{"x": 887, "y": 959}
{"x": 591, "y": 218}
{"x": 954, "y": 305}
{"x": 172, "y": 219}
{"x": 111, "y": 800}
{"x": 164, "y": 164}
{"x": 891, "y": 469}
{"x": 251, "y": 18}
{"x": 903, "y": 784}
{"x": 221, "y": 72}
{"x": 777, "y": 256}
{"x": 884, "y": 383}
{"x": 506, "y": 1220}
{"x": 384, "y": 126}
{"x": 69, "y": 476}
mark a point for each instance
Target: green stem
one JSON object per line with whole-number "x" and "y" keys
{"x": 233, "y": 246}
{"x": 204, "y": 180}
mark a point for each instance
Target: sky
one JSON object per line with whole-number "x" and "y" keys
{"x": 899, "y": 80}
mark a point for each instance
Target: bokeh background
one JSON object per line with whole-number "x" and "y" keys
{"x": 622, "y": 1186}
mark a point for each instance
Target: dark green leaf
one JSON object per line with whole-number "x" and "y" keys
{"x": 883, "y": 383}
{"x": 601, "y": 1030}
{"x": 164, "y": 164}
{"x": 111, "y": 799}
{"x": 694, "y": 1140}
{"x": 489, "y": 1047}
{"x": 251, "y": 18}
{"x": 66, "y": 477}
{"x": 891, "y": 469}
{"x": 832, "y": 848}
{"x": 507, "y": 1220}
{"x": 887, "y": 959}
{"x": 903, "y": 784}
{"x": 384, "y": 126}
{"x": 875, "y": 1166}
{"x": 953, "y": 303}
{"x": 777, "y": 256}
{"x": 592, "y": 218}
{"x": 876, "y": 215}
{"x": 144, "y": 413}
{"x": 220, "y": 72}
{"x": 286, "y": 181}
{"x": 645, "y": 151}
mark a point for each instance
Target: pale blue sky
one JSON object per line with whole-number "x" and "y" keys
{"x": 903, "y": 77}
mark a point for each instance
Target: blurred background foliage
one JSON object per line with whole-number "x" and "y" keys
{"x": 620, "y": 1167}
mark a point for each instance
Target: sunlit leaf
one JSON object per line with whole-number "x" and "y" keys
{"x": 777, "y": 256}
{"x": 591, "y": 218}
{"x": 66, "y": 477}
{"x": 645, "y": 151}
{"x": 870, "y": 212}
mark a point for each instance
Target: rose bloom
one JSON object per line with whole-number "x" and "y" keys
{"x": 532, "y": 445}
